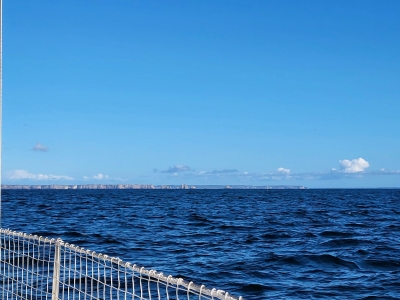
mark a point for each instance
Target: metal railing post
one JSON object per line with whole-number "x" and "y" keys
{"x": 56, "y": 271}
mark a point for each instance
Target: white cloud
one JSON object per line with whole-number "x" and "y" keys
{"x": 100, "y": 176}
{"x": 97, "y": 177}
{"x": 176, "y": 169}
{"x": 40, "y": 147}
{"x": 283, "y": 171}
{"x": 23, "y": 174}
{"x": 354, "y": 165}
{"x": 355, "y": 168}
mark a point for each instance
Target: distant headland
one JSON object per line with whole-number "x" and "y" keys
{"x": 146, "y": 187}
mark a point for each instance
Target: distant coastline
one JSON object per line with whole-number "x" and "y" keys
{"x": 146, "y": 187}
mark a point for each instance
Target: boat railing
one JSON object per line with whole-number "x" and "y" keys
{"x": 35, "y": 267}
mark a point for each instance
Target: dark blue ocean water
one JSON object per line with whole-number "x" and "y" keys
{"x": 261, "y": 244}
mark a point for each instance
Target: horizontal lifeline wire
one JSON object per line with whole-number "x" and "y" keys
{"x": 100, "y": 265}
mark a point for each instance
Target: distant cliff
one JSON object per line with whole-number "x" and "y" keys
{"x": 140, "y": 186}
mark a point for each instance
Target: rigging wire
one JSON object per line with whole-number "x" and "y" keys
{"x": 1, "y": 96}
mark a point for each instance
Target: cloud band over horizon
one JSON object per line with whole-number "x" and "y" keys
{"x": 354, "y": 168}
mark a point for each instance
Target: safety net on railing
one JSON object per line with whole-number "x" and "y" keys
{"x": 33, "y": 267}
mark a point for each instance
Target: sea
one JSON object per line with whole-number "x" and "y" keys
{"x": 259, "y": 244}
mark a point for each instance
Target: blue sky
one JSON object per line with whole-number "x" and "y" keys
{"x": 202, "y": 92}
